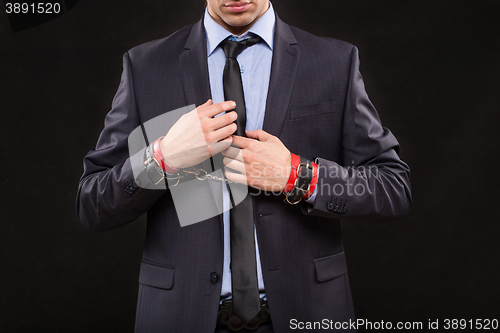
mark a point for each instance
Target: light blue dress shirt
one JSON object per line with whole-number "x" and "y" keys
{"x": 255, "y": 65}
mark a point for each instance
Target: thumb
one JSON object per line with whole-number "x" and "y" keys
{"x": 259, "y": 135}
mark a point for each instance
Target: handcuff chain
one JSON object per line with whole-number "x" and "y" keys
{"x": 225, "y": 180}
{"x": 198, "y": 173}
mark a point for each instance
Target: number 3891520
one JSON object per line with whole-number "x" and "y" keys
{"x": 32, "y": 8}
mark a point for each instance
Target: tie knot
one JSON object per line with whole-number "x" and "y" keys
{"x": 233, "y": 48}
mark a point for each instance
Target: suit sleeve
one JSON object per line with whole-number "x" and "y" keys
{"x": 109, "y": 194}
{"x": 373, "y": 183}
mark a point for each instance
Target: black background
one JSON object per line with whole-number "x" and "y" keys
{"x": 431, "y": 68}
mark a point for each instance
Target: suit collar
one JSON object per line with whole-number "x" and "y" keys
{"x": 196, "y": 36}
{"x": 283, "y": 30}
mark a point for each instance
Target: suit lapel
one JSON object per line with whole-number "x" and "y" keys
{"x": 196, "y": 84}
{"x": 286, "y": 55}
{"x": 194, "y": 67}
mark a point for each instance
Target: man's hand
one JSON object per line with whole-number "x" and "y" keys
{"x": 197, "y": 135}
{"x": 262, "y": 161}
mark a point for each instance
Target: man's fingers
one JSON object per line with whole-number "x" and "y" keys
{"x": 236, "y": 177}
{"x": 234, "y": 164}
{"x": 220, "y": 121}
{"x": 214, "y": 109}
{"x": 207, "y": 103}
{"x": 241, "y": 141}
{"x": 229, "y": 140}
{"x": 260, "y": 135}
{"x": 220, "y": 134}
{"x": 234, "y": 153}
{"x": 217, "y": 147}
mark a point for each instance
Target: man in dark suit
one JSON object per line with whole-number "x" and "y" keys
{"x": 305, "y": 96}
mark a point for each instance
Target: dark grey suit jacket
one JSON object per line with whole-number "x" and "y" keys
{"x": 318, "y": 107}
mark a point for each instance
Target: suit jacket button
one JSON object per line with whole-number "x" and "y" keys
{"x": 214, "y": 277}
{"x": 336, "y": 208}
{"x": 329, "y": 206}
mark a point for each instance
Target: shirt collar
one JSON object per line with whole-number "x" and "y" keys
{"x": 264, "y": 28}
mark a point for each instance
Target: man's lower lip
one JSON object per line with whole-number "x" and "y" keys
{"x": 237, "y": 9}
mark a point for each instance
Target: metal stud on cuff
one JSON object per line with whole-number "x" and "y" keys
{"x": 305, "y": 174}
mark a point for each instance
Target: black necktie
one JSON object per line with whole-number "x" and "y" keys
{"x": 233, "y": 87}
{"x": 245, "y": 288}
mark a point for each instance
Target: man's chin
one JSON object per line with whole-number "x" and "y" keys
{"x": 239, "y": 23}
